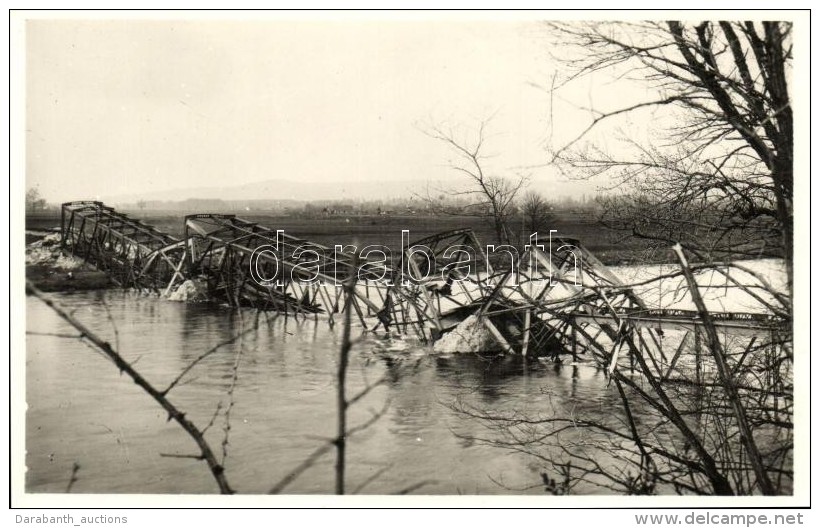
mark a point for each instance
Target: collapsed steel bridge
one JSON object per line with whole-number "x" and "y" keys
{"x": 133, "y": 253}
{"x": 560, "y": 300}
{"x": 399, "y": 295}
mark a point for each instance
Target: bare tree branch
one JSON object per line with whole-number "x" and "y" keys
{"x": 175, "y": 414}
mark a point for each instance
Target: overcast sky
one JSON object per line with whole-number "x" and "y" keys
{"x": 118, "y": 107}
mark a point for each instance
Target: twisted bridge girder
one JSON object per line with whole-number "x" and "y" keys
{"x": 393, "y": 294}
{"x": 554, "y": 300}
{"x": 564, "y": 300}
{"x": 134, "y": 254}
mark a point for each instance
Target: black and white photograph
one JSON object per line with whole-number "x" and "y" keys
{"x": 555, "y": 256}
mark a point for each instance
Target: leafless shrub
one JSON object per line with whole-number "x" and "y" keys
{"x": 485, "y": 195}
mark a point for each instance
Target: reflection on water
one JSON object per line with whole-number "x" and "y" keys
{"x": 81, "y": 410}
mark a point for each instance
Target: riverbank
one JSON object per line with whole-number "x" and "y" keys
{"x": 49, "y": 270}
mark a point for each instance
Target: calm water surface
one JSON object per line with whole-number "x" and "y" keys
{"x": 81, "y": 410}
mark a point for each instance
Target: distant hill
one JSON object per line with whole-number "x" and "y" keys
{"x": 283, "y": 190}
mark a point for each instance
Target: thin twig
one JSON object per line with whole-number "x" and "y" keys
{"x": 341, "y": 381}
{"x": 173, "y": 413}
{"x": 74, "y": 469}
{"x": 301, "y": 468}
{"x": 202, "y": 356}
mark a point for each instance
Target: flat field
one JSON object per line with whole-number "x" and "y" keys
{"x": 362, "y": 230}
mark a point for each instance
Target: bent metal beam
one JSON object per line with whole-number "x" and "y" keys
{"x": 560, "y": 300}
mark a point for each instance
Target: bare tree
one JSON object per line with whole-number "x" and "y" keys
{"x": 536, "y": 212}
{"x": 708, "y": 423}
{"x": 724, "y": 86}
{"x": 704, "y": 228}
{"x": 701, "y": 412}
{"x": 486, "y": 195}
{"x": 34, "y": 202}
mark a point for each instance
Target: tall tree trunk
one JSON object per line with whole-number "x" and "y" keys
{"x": 782, "y": 175}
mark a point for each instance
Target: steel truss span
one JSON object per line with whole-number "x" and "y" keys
{"x": 551, "y": 301}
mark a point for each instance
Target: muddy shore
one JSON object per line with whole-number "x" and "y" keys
{"x": 49, "y": 270}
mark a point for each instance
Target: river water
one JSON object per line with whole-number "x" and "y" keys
{"x": 81, "y": 410}
{"x": 282, "y": 404}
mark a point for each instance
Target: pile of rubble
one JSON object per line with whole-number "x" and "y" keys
{"x": 46, "y": 252}
{"x": 190, "y": 291}
{"x": 469, "y": 336}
